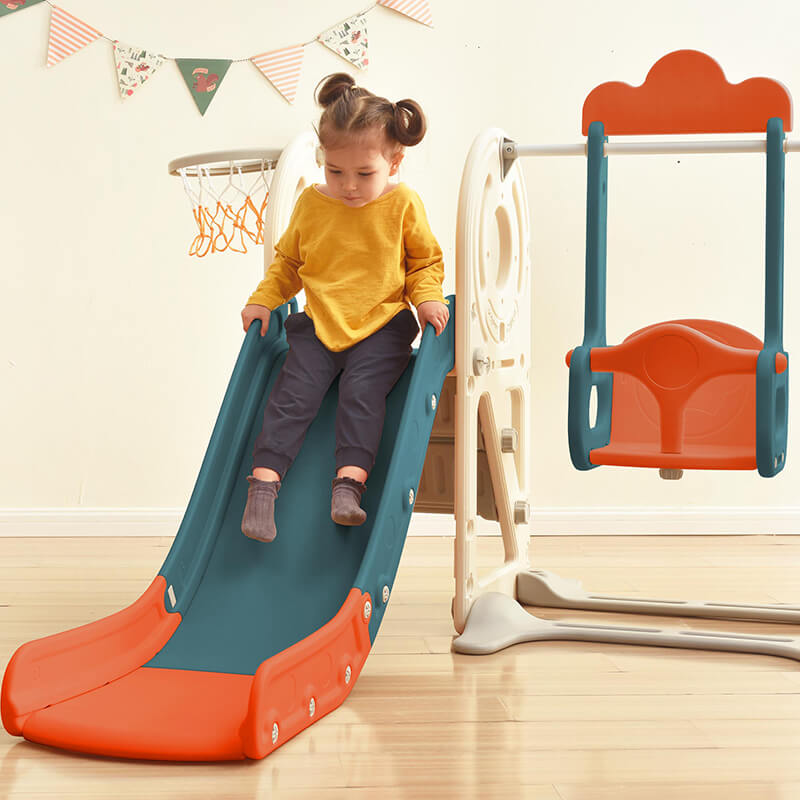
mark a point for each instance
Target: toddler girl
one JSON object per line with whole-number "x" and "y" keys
{"x": 361, "y": 248}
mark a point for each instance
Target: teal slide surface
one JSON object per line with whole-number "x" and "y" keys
{"x": 251, "y": 599}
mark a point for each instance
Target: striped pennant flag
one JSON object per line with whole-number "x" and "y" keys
{"x": 418, "y": 10}
{"x": 68, "y": 34}
{"x": 282, "y": 68}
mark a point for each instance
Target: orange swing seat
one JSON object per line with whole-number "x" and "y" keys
{"x": 684, "y": 396}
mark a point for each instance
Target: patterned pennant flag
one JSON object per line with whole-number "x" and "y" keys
{"x": 203, "y": 77}
{"x": 10, "y": 6}
{"x": 418, "y": 10}
{"x": 68, "y": 34}
{"x": 349, "y": 40}
{"x": 282, "y": 69}
{"x": 134, "y": 66}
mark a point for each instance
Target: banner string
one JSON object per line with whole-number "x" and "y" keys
{"x": 240, "y": 60}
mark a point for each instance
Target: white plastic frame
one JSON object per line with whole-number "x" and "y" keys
{"x": 493, "y": 334}
{"x": 492, "y": 358}
{"x": 297, "y": 168}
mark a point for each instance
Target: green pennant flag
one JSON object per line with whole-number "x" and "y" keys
{"x": 10, "y": 6}
{"x": 203, "y": 77}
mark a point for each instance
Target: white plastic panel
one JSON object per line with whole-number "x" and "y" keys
{"x": 297, "y": 168}
{"x": 493, "y": 331}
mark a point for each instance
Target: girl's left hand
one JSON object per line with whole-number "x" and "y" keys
{"x": 434, "y": 312}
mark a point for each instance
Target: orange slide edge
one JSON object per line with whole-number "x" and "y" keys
{"x": 55, "y": 668}
{"x": 299, "y": 685}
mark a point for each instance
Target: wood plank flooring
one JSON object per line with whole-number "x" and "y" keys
{"x": 549, "y": 721}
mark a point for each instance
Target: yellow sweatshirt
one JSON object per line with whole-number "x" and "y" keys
{"x": 359, "y": 266}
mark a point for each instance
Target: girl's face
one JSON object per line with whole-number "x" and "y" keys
{"x": 358, "y": 173}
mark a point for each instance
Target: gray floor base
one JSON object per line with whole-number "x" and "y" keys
{"x": 497, "y": 621}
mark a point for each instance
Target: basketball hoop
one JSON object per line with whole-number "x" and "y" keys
{"x": 226, "y": 210}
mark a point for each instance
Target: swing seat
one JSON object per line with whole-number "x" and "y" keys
{"x": 683, "y": 397}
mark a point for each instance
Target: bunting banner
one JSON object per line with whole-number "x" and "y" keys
{"x": 134, "y": 66}
{"x": 282, "y": 69}
{"x": 203, "y": 77}
{"x": 10, "y": 6}
{"x": 349, "y": 40}
{"x": 418, "y": 10}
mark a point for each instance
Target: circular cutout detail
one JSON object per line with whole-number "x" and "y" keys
{"x": 671, "y": 362}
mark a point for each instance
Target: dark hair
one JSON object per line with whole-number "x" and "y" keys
{"x": 350, "y": 109}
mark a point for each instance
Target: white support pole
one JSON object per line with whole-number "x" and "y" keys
{"x": 512, "y": 149}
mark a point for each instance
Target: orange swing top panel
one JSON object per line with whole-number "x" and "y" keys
{"x": 687, "y": 92}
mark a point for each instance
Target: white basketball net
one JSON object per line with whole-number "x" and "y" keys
{"x": 227, "y": 213}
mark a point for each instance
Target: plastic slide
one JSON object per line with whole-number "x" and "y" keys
{"x": 238, "y": 645}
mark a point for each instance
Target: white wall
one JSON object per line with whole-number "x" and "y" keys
{"x": 117, "y": 346}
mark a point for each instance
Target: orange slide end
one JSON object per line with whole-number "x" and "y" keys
{"x": 152, "y": 713}
{"x": 115, "y": 707}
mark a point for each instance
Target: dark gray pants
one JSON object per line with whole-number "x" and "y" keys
{"x": 369, "y": 370}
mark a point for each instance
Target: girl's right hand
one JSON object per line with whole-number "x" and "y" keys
{"x": 252, "y": 312}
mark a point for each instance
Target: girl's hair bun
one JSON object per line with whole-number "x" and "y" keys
{"x": 330, "y": 89}
{"x": 409, "y": 122}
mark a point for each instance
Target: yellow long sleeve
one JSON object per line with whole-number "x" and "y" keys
{"x": 423, "y": 256}
{"x": 282, "y": 281}
{"x": 359, "y": 267}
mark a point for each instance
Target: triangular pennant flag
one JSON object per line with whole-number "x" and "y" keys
{"x": 349, "y": 40}
{"x": 418, "y": 10}
{"x": 134, "y": 66}
{"x": 68, "y": 34}
{"x": 10, "y": 6}
{"x": 203, "y": 77}
{"x": 282, "y": 68}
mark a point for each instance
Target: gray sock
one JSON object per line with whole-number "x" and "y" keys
{"x": 258, "y": 521}
{"x": 346, "y": 501}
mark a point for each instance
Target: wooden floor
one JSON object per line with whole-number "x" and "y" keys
{"x": 551, "y": 721}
